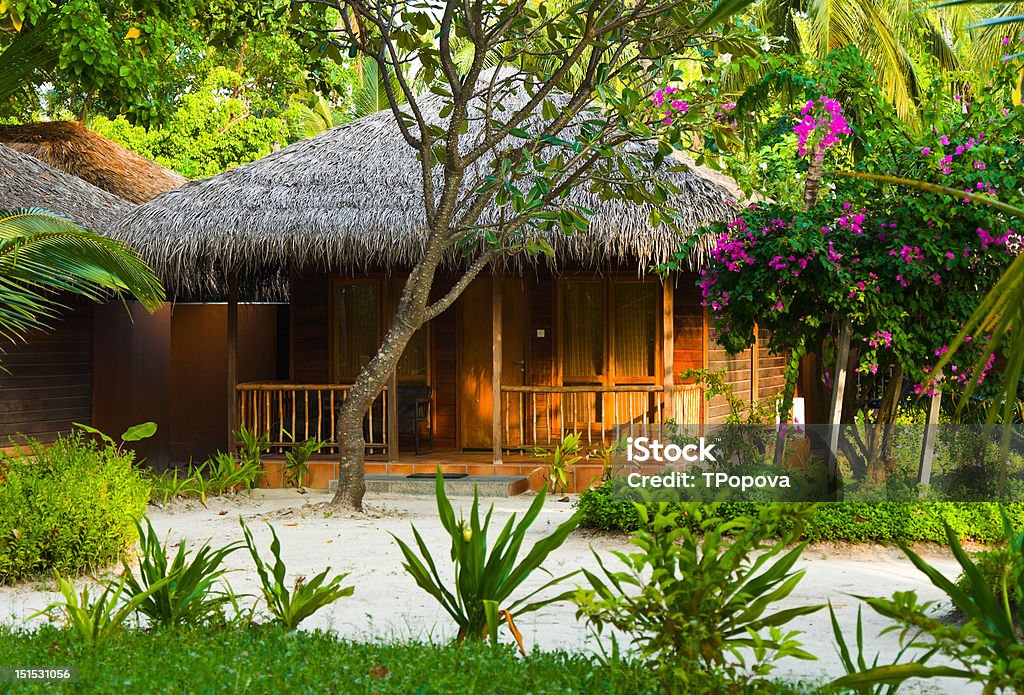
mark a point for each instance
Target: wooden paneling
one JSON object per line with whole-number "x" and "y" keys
{"x": 540, "y": 358}
{"x": 131, "y": 380}
{"x": 689, "y": 323}
{"x": 46, "y": 381}
{"x": 311, "y": 326}
{"x": 199, "y": 370}
{"x": 771, "y": 369}
{"x": 738, "y": 375}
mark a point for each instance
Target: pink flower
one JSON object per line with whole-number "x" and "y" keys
{"x": 926, "y": 150}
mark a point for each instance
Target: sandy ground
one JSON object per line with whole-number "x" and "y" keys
{"x": 388, "y": 604}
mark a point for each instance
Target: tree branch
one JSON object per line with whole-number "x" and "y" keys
{"x": 449, "y": 298}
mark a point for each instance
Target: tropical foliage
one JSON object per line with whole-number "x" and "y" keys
{"x": 698, "y": 596}
{"x": 43, "y": 255}
{"x": 905, "y": 268}
{"x": 479, "y": 599}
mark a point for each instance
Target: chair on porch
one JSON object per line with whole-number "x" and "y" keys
{"x": 416, "y": 408}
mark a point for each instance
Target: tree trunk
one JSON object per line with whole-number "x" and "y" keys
{"x": 813, "y": 184}
{"x": 880, "y": 442}
{"x": 409, "y": 317}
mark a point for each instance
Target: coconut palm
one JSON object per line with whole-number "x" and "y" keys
{"x": 891, "y": 35}
{"x": 44, "y": 256}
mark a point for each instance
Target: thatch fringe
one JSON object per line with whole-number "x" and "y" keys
{"x": 351, "y": 198}
{"x": 76, "y": 150}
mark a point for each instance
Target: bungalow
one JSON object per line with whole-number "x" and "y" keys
{"x": 589, "y": 342}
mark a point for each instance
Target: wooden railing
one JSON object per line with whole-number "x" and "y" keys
{"x": 295, "y": 412}
{"x": 543, "y": 415}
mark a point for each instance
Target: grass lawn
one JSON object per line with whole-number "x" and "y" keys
{"x": 266, "y": 659}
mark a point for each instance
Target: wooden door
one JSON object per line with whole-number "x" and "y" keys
{"x": 475, "y": 350}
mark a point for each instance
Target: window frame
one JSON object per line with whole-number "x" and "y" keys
{"x": 386, "y": 289}
{"x": 609, "y": 377}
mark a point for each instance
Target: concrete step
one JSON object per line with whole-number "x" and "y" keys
{"x": 488, "y": 485}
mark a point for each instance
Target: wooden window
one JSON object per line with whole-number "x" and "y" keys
{"x": 583, "y": 331}
{"x": 413, "y": 365}
{"x": 360, "y": 307}
{"x": 609, "y": 331}
{"x": 357, "y": 311}
{"x": 609, "y": 336}
{"x": 634, "y": 332}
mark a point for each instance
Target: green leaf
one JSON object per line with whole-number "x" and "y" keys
{"x": 136, "y": 433}
{"x": 895, "y": 674}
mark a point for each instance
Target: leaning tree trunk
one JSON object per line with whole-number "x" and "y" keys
{"x": 410, "y": 315}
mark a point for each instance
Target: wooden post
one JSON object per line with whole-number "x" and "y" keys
{"x": 391, "y": 405}
{"x": 496, "y": 360}
{"x": 924, "y": 471}
{"x": 754, "y": 365}
{"x": 232, "y": 358}
{"x": 835, "y": 413}
{"x": 668, "y": 343}
{"x": 705, "y": 363}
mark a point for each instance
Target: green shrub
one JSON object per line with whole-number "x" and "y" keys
{"x": 179, "y": 590}
{"x": 703, "y": 609}
{"x": 289, "y": 607}
{"x": 994, "y": 565}
{"x": 986, "y": 649}
{"x": 70, "y": 507}
{"x": 486, "y": 575}
{"x": 857, "y": 522}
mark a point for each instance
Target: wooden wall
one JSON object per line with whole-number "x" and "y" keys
{"x": 131, "y": 374}
{"x": 310, "y": 323}
{"x": 46, "y": 381}
{"x": 170, "y": 367}
{"x": 444, "y": 369}
{"x": 771, "y": 369}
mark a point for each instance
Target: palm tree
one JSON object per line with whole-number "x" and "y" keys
{"x": 892, "y": 35}
{"x": 43, "y": 256}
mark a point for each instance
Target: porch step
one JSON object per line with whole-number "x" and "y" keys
{"x": 488, "y": 485}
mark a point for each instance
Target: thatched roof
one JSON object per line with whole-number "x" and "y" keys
{"x": 25, "y": 182}
{"x": 352, "y": 198}
{"x": 76, "y": 150}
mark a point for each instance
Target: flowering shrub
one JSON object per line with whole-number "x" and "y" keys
{"x": 906, "y": 268}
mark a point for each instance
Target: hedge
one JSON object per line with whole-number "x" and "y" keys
{"x": 857, "y": 522}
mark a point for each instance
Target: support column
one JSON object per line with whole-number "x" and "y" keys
{"x": 391, "y": 404}
{"x": 668, "y": 344}
{"x": 232, "y": 359}
{"x": 835, "y": 413}
{"x": 755, "y": 366}
{"x": 924, "y": 470}
{"x": 496, "y": 360}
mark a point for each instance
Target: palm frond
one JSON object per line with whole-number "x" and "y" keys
{"x": 43, "y": 256}
{"x": 372, "y": 96}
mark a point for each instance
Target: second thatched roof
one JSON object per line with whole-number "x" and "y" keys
{"x": 76, "y": 150}
{"x": 25, "y": 182}
{"x": 352, "y": 198}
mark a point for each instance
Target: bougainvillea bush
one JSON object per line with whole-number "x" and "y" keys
{"x": 905, "y": 267}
